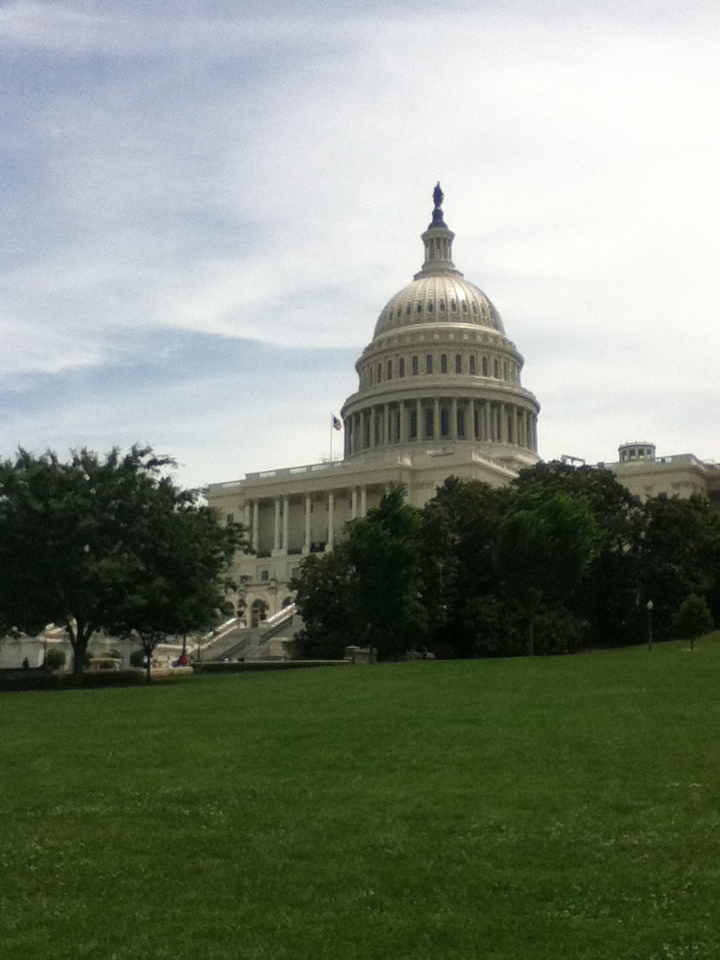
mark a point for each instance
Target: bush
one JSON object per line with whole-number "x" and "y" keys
{"x": 137, "y": 658}
{"x": 55, "y": 658}
{"x": 693, "y": 619}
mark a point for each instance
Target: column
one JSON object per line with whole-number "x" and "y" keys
{"x": 363, "y": 500}
{"x": 353, "y": 503}
{"x": 285, "y": 525}
{"x": 470, "y": 431}
{"x": 404, "y": 425}
{"x": 276, "y": 526}
{"x": 308, "y": 514}
{"x": 248, "y": 517}
{"x": 255, "y": 525}
{"x": 418, "y": 420}
{"x": 331, "y": 518}
{"x": 453, "y": 420}
{"x": 436, "y": 419}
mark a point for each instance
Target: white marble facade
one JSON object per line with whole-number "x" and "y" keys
{"x": 439, "y": 394}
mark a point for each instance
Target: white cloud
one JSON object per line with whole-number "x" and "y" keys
{"x": 266, "y": 176}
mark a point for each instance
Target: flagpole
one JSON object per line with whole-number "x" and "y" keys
{"x": 332, "y": 429}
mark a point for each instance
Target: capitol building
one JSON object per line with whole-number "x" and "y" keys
{"x": 439, "y": 394}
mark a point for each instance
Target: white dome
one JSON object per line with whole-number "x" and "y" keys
{"x": 438, "y": 299}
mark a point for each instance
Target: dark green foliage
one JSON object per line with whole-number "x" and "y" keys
{"x": 693, "y": 619}
{"x": 607, "y": 597}
{"x": 107, "y": 543}
{"x": 137, "y": 658}
{"x": 368, "y": 591}
{"x": 544, "y": 546}
{"x": 55, "y": 658}
{"x": 678, "y": 553}
{"x": 459, "y": 530}
{"x": 563, "y": 558}
{"x": 323, "y": 598}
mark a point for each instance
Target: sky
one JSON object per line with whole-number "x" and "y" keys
{"x": 206, "y": 205}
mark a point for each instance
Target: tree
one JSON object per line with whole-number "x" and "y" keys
{"x": 608, "y": 595}
{"x": 459, "y": 532}
{"x": 323, "y": 598}
{"x": 386, "y": 585}
{"x": 368, "y": 590}
{"x": 678, "y": 554}
{"x": 545, "y": 544}
{"x": 692, "y": 619}
{"x": 107, "y": 543}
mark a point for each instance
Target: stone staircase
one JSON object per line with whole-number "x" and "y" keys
{"x": 236, "y": 642}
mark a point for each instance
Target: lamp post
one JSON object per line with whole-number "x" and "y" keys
{"x": 650, "y": 606}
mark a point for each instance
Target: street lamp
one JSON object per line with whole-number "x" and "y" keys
{"x": 650, "y": 606}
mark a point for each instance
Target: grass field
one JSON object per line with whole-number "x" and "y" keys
{"x": 544, "y": 809}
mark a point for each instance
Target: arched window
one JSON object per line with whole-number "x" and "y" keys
{"x": 458, "y": 363}
{"x": 389, "y": 370}
{"x": 401, "y": 367}
{"x": 415, "y": 366}
{"x": 496, "y": 369}
{"x": 443, "y": 363}
{"x": 379, "y": 373}
{"x": 473, "y": 366}
{"x": 485, "y": 366}
{"x": 429, "y": 363}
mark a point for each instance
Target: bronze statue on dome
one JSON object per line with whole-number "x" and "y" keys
{"x": 438, "y": 197}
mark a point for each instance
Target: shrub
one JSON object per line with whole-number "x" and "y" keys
{"x": 693, "y": 619}
{"x": 137, "y": 658}
{"x": 55, "y": 658}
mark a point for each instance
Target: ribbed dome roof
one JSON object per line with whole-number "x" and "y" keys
{"x": 439, "y": 298}
{"x": 438, "y": 294}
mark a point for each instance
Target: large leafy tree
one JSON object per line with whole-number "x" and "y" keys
{"x": 107, "y": 543}
{"x": 545, "y": 543}
{"x": 460, "y": 527}
{"x": 678, "y": 554}
{"x": 369, "y": 590}
{"x": 607, "y": 597}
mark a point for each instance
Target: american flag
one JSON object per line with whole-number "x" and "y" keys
{"x": 337, "y": 425}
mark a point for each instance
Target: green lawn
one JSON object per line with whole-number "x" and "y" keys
{"x": 544, "y": 809}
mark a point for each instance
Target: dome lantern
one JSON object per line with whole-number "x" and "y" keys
{"x": 438, "y": 240}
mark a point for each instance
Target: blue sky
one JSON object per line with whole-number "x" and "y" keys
{"x": 206, "y": 205}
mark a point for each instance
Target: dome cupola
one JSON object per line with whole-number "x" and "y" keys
{"x": 438, "y": 293}
{"x": 440, "y": 369}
